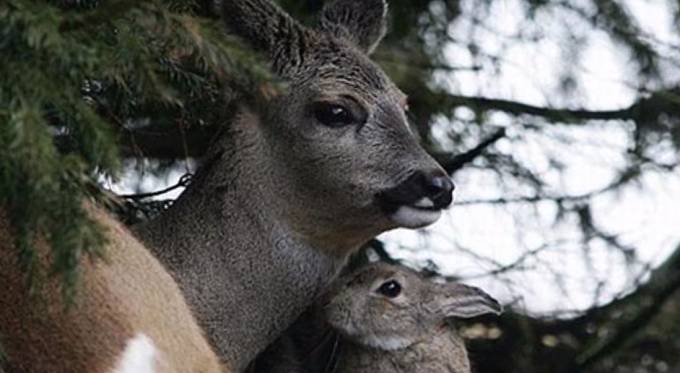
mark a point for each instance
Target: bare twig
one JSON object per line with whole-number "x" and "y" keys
{"x": 454, "y": 163}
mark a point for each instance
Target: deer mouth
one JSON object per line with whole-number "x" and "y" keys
{"x": 417, "y": 201}
{"x": 415, "y": 216}
{"x": 410, "y": 214}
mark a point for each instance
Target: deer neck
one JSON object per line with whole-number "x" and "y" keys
{"x": 239, "y": 257}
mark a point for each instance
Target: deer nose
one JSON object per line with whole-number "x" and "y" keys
{"x": 422, "y": 190}
{"x": 439, "y": 189}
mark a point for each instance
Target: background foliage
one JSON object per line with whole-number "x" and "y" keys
{"x": 92, "y": 88}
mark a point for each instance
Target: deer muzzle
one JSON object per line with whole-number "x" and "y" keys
{"x": 418, "y": 200}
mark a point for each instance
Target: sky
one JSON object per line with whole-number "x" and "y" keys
{"x": 562, "y": 277}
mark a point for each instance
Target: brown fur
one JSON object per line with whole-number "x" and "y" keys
{"x": 126, "y": 294}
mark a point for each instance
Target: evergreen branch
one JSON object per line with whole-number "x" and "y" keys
{"x": 77, "y": 81}
{"x": 107, "y": 12}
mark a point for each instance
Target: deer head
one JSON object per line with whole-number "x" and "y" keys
{"x": 338, "y": 143}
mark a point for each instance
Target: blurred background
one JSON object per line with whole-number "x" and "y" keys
{"x": 559, "y": 122}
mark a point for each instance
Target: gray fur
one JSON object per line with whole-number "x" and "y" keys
{"x": 283, "y": 200}
{"x": 410, "y": 333}
{"x": 442, "y": 352}
{"x": 362, "y": 23}
{"x": 407, "y": 333}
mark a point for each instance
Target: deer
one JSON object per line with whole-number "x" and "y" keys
{"x": 284, "y": 196}
{"x": 128, "y": 316}
{"x": 294, "y": 187}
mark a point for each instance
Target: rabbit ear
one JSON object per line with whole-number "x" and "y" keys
{"x": 458, "y": 300}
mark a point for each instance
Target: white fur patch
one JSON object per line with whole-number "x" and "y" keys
{"x": 139, "y": 356}
{"x": 412, "y": 217}
{"x": 386, "y": 343}
{"x": 424, "y": 202}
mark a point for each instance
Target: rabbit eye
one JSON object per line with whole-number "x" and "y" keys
{"x": 390, "y": 289}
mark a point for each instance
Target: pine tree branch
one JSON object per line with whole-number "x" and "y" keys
{"x": 104, "y": 13}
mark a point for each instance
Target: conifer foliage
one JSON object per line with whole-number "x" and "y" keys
{"x": 78, "y": 74}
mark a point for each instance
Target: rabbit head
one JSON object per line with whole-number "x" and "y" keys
{"x": 389, "y": 307}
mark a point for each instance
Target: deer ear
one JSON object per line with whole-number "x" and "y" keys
{"x": 466, "y": 301}
{"x": 363, "y": 22}
{"x": 269, "y": 29}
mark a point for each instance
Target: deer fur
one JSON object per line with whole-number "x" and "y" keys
{"x": 285, "y": 197}
{"x": 129, "y": 315}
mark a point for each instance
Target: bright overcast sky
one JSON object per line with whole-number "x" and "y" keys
{"x": 646, "y": 216}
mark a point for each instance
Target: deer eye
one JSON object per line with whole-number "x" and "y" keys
{"x": 333, "y": 115}
{"x": 390, "y": 289}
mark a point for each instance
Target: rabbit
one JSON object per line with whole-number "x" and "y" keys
{"x": 394, "y": 320}
{"x": 380, "y": 318}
